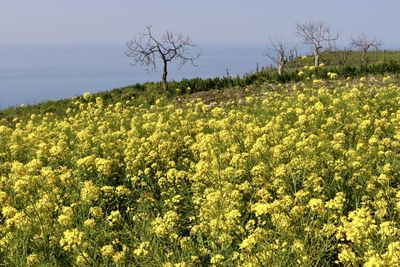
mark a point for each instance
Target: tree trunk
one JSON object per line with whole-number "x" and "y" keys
{"x": 316, "y": 58}
{"x": 364, "y": 60}
{"x": 164, "y": 77}
{"x": 280, "y": 67}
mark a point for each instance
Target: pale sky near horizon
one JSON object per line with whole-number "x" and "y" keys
{"x": 206, "y": 21}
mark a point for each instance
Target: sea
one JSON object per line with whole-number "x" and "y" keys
{"x": 31, "y": 73}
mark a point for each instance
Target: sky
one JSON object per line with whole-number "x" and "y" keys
{"x": 205, "y": 21}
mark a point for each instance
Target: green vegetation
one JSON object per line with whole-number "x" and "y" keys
{"x": 348, "y": 58}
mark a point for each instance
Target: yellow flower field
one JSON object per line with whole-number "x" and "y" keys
{"x": 302, "y": 175}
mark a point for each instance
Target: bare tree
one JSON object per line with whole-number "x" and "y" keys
{"x": 317, "y": 35}
{"x": 280, "y": 53}
{"x": 363, "y": 43}
{"x": 343, "y": 56}
{"x": 146, "y": 49}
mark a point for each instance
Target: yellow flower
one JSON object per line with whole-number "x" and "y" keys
{"x": 375, "y": 261}
{"x": 142, "y": 250}
{"x": 86, "y": 95}
{"x": 316, "y": 205}
{"x": 359, "y": 225}
{"x": 332, "y": 75}
{"x": 66, "y": 217}
{"x": 122, "y": 191}
{"x": 89, "y": 191}
{"x": 103, "y": 166}
{"x": 8, "y": 211}
{"x": 337, "y": 202}
{"x": 99, "y": 101}
{"x": 164, "y": 225}
{"x": 86, "y": 161}
{"x": 119, "y": 257}
{"x": 388, "y": 229}
{"x": 89, "y": 223}
{"x": 297, "y": 246}
{"x": 261, "y": 208}
{"x": 96, "y": 212}
{"x": 107, "y": 251}
{"x": 114, "y": 217}
{"x": 72, "y": 239}
{"x": 280, "y": 171}
{"x": 83, "y": 259}
{"x": 393, "y": 251}
{"x": 33, "y": 259}
{"x": 386, "y": 78}
{"x": 347, "y": 256}
{"x": 317, "y": 81}
{"x": 217, "y": 259}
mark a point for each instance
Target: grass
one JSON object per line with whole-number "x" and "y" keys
{"x": 348, "y": 58}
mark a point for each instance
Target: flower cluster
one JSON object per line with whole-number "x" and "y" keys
{"x": 306, "y": 175}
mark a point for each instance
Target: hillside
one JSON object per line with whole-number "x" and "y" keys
{"x": 298, "y": 174}
{"x": 349, "y": 58}
{"x": 380, "y": 63}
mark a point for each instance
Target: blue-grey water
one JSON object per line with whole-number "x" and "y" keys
{"x": 30, "y": 73}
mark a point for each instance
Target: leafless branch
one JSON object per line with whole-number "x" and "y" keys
{"x": 343, "y": 56}
{"x": 146, "y": 49}
{"x": 280, "y": 53}
{"x": 317, "y": 35}
{"x": 363, "y": 43}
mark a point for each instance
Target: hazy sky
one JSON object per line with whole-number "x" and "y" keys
{"x": 206, "y": 21}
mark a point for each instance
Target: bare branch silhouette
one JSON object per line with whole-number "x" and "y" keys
{"x": 363, "y": 43}
{"x": 146, "y": 49}
{"x": 280, "y": 53}
{"x": 317, "y": 35}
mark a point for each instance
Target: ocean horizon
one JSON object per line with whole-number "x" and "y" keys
{"x": 31, "y": 73}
